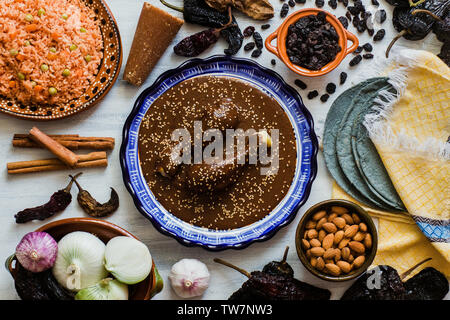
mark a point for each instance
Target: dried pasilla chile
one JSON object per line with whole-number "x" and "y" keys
{"x": 198, "y": 12}
{"x": 94, "y": 208}
{"x": 416, "y": 22}
{"x": 275, "y": 282}
{"x": 58, "y": 202}
{"x": 197, "y": 43}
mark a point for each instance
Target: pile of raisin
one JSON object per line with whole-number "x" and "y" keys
{"x": 312, "y": 42}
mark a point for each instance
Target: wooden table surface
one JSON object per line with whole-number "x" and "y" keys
{"x": 107, "y": 119}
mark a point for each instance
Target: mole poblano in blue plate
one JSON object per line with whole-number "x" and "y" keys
{"x": 219, "y": 152}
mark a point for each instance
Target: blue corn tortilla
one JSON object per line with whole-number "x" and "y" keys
{"x": 362, "y": 101}
{"x": 370, "y": 165}
{"x": 332, "y": 124}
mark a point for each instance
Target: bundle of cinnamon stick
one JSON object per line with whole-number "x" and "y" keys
{"x": 59, "y": 145}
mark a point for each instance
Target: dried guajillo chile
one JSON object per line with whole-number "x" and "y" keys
{"x": 275, "y": 283}
{"x": 58, "y": 202}
{"x": 198, "y": 12}
{"x": 416, "y": 22}
{"x": 390, "y": 285}
{"x": 91, "y": 206}
{"x": 197, "y": 43}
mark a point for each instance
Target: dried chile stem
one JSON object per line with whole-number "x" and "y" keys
{"x": 171, "y": 6}
{"x": 285, "y": 254}
{"x": 407, "y": 272}
{"x": 401, "y": 34}
{"x": 428, "y": 12}
{"x": 225, "y": 263}
{"x": 69, "y": 186}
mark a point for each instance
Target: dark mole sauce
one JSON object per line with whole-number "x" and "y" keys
{"x": 254, "y": 195}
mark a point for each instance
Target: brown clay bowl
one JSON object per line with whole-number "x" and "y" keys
{"x": 352, "y": 207}
{"x": 105, "y": 231}
{"x": 281, "y": 33}
{"x": 106, "y": 76}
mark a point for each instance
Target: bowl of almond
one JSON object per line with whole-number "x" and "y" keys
{"x": 336, "y": 240}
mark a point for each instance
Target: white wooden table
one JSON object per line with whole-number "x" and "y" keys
{"x": 107, "y": 119}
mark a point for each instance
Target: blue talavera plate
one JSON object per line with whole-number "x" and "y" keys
{"x": 267, "y": 81}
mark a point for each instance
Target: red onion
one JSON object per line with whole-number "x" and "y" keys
{"x": 37, "y": 251}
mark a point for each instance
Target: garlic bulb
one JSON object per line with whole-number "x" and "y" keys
{"x": 128, "y": 259}
{"x": 107, "y": 289}
{"x": 79, "y": 263}
{"x": 37, "y": 251}
{"x": 189, "y": 278}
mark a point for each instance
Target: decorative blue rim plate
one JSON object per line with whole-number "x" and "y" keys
{"x": 306, "y": 168}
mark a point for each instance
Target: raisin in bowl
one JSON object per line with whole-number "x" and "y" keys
{"x": 311, "y": 42}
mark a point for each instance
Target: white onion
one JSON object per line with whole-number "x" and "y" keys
{"x": 128, "y": 259}
{"x": 79, "y": 263}
{"x": 107, "y": 289}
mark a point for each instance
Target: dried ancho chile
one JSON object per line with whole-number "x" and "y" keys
{"x": 58, "y": 202}
{"x": 429, "y": 284}
{"x": 275, "y": 282}
{"x": 198, "y": 12}
{"x": 94, "y": 208}
{"x": 312, "y": 42}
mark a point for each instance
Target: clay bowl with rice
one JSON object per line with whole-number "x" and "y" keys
{"x": 57, "y": 58}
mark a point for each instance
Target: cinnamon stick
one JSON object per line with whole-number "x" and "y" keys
{"x": 64, "y": 154}
{"x": 91, "y": 160}
{"x": 72, "y": 142}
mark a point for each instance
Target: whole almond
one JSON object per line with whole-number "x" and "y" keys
{"x": 319, "y": 215}
{"x": 344, "y": 266}
{"x": 317, "y": 251}
{"x": 338, "y": 236}
{"x": 346, "y": 227}
{"x": 337, "y": 254}
{"x": 358, "y": 262}
{"x": 315, "y": 243}
{"x": 331, "y": 217}
{"x": 312, "y": 233}
{"x": 320, "y": 263}
{"x": 344, "y": 242}
{"x": 320, "y": 223}
{"x": 322, "y": 235}
{"x": 327, "y": 242}
{"x": 356, "y": 246}
{"x": 348, "y": 218}
{"x": 345, "y": 253}
{"x": 313, "y": 262}
{"x": 363, "y": 227}
{"x": 330, "y": 227}
{"x": 359, "y": 236}
{"x": 306, "y": 244}
{"x": 329, "y": 254}
{"x": 339, "y": 222}
{"x": 339, "y": 210}
{"x": 355, "y": 218}
{"x": 310, "y": 224}
{"x": 333, "y": 269}
{"x": 350, "y": 232}
{"x": 368, "y": 241}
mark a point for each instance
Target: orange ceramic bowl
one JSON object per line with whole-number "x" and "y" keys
{"x": 105, "y": 231}
{"x": 281, "y": 33}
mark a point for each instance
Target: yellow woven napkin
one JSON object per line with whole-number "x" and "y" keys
{"x": 410, "y": 132}
{"x": 401, "y": 244}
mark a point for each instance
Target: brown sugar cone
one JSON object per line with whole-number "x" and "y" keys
{"x": 154, "y": 33}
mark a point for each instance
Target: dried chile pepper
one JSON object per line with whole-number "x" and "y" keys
{"x": 415, "y": 22}
{"x": 94, "y": 208}
{"x": 428, "y": 284}
{"x": 276, "y": 283}
{"x": 197, "y": 43}
{"x": 58, "y": 202}
{"x": 198, "y": 12}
